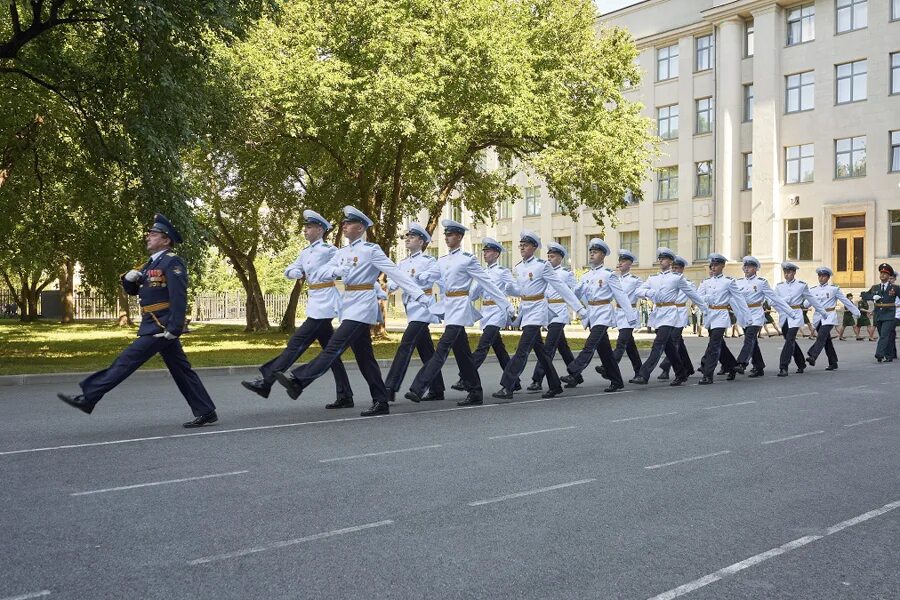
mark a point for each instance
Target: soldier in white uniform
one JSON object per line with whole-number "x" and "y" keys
{"x": 678, "y": 266}
{"x": 599, "y": 287}
{"x": 358, "y": 264}
{"x": 458, "y": 270}
{"x": 793, "y": 292}
{"x": 323, "y": 304}
{"x": 663, "y": 289}
{"x": 559, "y": 318}
{"x": 533, "y": 275}
{"x": 757, "y": 292}
{"x": 828, "y": 295}
{"x": 721, "y": 294}
{"x": 493, "y": 319}
{"x": 630, "y": 284}
{"x": 423, "y": 269}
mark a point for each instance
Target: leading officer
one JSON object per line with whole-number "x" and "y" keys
{"x": 161, "y": 284}
{"x": 884, "y": 295}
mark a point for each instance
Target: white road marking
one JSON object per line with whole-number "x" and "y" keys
{"x": 689, "y": 459}
{"x": 368, "y": 454}
{"x": 796, "y": 395}
{"x": 728, "y": 405}
{"x": 643, "y": 417}
{"x": 764, "y": 556}
{"x": 792, "y": 437}
{"x": 512, "y": 435}
{"x": 530, "y": 492}
{"x": 156, "y": 483}
{"x": 40, "y": 594}
{"x": 286, "y": 543}
{"x": 866, "y": 421}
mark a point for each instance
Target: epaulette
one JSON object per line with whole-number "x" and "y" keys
{"x": 468, "y": 254}
{"x": 430, "y": 257}
{"x": 327, "y": 245}
{"x": 171, "y": 254}
{"x": 761, "y": 278}
{"x": 518, "y": 263}
{"x": 729, "y": 277}
{"x": 633, "y": 275}
{"x": 799, "y": 281}
{"x": 781, "y": 282}
{"x": 540, "y": 260}
{"x": 369, "y": 244}
{"x": 608, "y": 269}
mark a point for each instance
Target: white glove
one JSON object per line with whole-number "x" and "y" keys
{"x": 166, "y": 335}
{"x": 133, "y": 275}
{"x": 343, "y": 271}
{"x": 582, "y": 313}
{"x": 876, "y": 297}
{"x": 424, "y": 300}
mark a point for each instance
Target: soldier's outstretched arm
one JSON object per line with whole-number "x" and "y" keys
{"x": 487, "y": 287}
{"x": 813, "y": 301}
{"x": 774, "y": 298}
{"x": 406, "y": 283}
{"x": 295, "y": 269}
{"x": 618, "y": 292}
{"x": 691, "y": 292}
{"x": 854, "y": 310}
{"x": 561, "y": 288}
{"x": 739, "y": 303}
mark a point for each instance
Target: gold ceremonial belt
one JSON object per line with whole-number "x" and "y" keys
{"x": 720, "y": 307}
{"x": 428, "y": 292}
{"x": 322, "y": 285}
{"x": 598, "y": 302}
{"x": 164, "y": 305}
{"x": 755, "y": 305}
{"x": 623, "y": 308}
{"x": 359, "y": 287}
{"x": 556, "y": 301}
{"x": 532, "y": 298}
{"x": 883, "y": 305}
{"x": 832, "y": 309}
{"x": 796, "y": 306}
{"x": 678, "y": 304}
{"x": 457, "y": 294}
{"x": 489, "y": 303}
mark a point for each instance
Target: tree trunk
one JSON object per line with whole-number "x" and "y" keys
{"x": 289, "y": 320}
{"x": 67, "y": 290}
{"x": 257, "y": 316}
{"x": 379, "y": 330}
{"x": 124, "y": 319}
{"x": 22, "y": 141}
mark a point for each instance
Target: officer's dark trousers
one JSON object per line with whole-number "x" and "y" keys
{"x": 490, "y": 338}
{"x": 687, "y": 365}
{"x": 137, "y": 353}
{"x": 664, "y": 342}
{"x": 892, "y": 345}
{"x": 530, "y": 340}
{"x": 626, "y": 343}
{"x": 716, "y": 350}
{"x": 556, "y": 340}
{"x": 750, "y": 350}
{"x": 885, "y": 327}
{"x": 416, "y": 336}
{"x": 598, "y": 339}
{"x": 823, "y": 341}
{"x": 319, "y": 330}
{"x": 357, "y": 336}
{"x": 454, "y": 338}
{"x": 790, "y": 348}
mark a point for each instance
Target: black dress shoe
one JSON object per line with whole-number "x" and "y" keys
{"x": 721, "y": 371}
{"x": 518, "y": 387}
{"x": 341, "y": 403}
{"x": 411, "y": 395}
{"x": 472, "y": 400}
{"x": 879, "y": 358}
{"x": 831, "y": 368}
{"x": 552, "y": 393}
{"x": 207, "y": 419}
{"x": 78, "y": 402}
{"x": 706, "y": 380}
{"x": 782, "y": 372}
{"x": 575, "y": 381}
{"x": 459, "y": 386}
{"x": 433, "y": 396}
{"x": 756, "y": 373}
{"x": 534, "y": 386}
{"x": 638, "y": 380}
{"x": 889, "y": 360}
{"x": 663, "y": 376}
{"x": 503, "y": 394}
{"x": 377, "y": 408}
{"x": 731, "y": 375}
{"x": 613, "y": 387}
{"x": 290, "y": 384}
{"x": 810, "y": 361}
{"x": 677, "y": 381}
{"x": 258, "y": 386}
{"x": 740, "y": 368}
{"x": 601, "y": 370}
{"x": 800, "y": 370}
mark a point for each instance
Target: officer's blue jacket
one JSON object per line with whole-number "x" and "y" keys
{"x": 162, "y": 290}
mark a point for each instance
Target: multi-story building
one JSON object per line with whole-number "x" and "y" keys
{"x": 780, "y": 123}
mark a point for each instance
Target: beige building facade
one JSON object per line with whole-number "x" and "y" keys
{"x": 780, "y": 123}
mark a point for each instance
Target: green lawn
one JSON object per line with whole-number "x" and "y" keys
{"x": 44, "y": 347}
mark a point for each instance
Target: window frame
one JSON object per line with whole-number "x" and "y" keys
{"x": 850, "y": 5}
{"x": 668, "y": 120}
{"x": 895, "y": 10}
{"x": 533, "y": 201}
{"x": 749, "y": 102}
{"x": 800, "y": 92}
{"x": 799, "y": 232}
{"x": 710, "y": 110}
{"x": 853, "y": 172}
{"x": 749, "y": 38}
{"x": 698, "y": 177}
{"x": 698, "y": 255}
{"x": 894, "y": 78}
{"x": 747, "y": 183}
{"x": 891, "y": 225}
{"x": 852, "y": 77}
{"x": 669, "y": 170}
{"x": 894, "y": 151}
{"x": 799, "y": 159}
{"x": 708, "y": 51}
{"x": 810, "y": 17}
{"x": 672, "y": 240}
{"x": 630, "y": 245}
{"x": 747, "y": 238}
{"x": 668, "y": 60}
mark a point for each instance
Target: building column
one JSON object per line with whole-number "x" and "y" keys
{"x": 729, "y": 100}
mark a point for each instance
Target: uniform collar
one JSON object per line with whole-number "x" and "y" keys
{"x": 494, "y": 264}
{"x": 719, "y": 276}
{"x": 356, "y": 241}
{"x": 415, "y": 254}
{"x": 557, "y": 267}
{"x": 455, "y": 251}
{"x": 597, "y": 267}
{"x": 666, "y": 271}
{"x": 749, "y": 278}
{"x": 528, "y": 260}
{"x": 156, "y": 255}
{"x": 315, "y": 243}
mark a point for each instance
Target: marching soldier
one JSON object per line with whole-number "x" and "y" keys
{"x": 559, "y": 318}
{"x": 533, "y": 275}
{"x": 358, "y": 264}
{"x": 828, "y": 295}
{"x": 663, "y": 290}
{"x": 678, "y": 266}
{"x": 458, "y": 270}
{"x": 323, "y": 305}
{"x": 883, "y": 295}
{"x": 721, "y": 294}
{"x": 793, "y": 292}
{"x": 423, "y": 269}
{"x": 599, "y": 287}
{"x": 161, "y": 284}
{"x": 757, "y": 292}
{"x": 493, "y": 319}
{"x": 625, "y": 342}
{"x": 892, "y": 345}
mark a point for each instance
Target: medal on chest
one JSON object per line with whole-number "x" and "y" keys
{"x": 530, "y": 276}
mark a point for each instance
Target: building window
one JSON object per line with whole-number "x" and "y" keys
{"x": 667, "y": 63}
{"x": 747, "y": 238}
{"x": 748, "y": 37}
{"x": 667, "y": 183}
{"x": 557, "y": 209}
{"x": 799, "y": 163}
{"x": 851, "y": 79}
{"x": 798, "y": 241}
{"x": 801, "y": 24}
{"x": 702, "y": 241}
{"x": 667, "y": 238}
{"x": 895, "y": 10}
{"x": 565, "y": 242}
{"x": 748, "y": 102}
{"x": 895, "y": 151}
{"x": 505, "y": 210}
{"x": 628, "y": 240}
{"x": 703, "y": 179}
{"x": 852, "y": 14}
{"x": 704, "y": 46}
{"x": 894, "y": 236}
{"x": 630, "y": 198}
{"x": 895, "y": 72}
{"x": 456, "y": 212}
{"x": 667, "y": 121}
{"x": 748, "y": 171}
{"x": 704, "y": 115}
{"x": 800, "y": 91}
{"x": 532, "y": 201}
{"x": 850, "y": 157}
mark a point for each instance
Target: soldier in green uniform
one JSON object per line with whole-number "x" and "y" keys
{"x": 884, "y": 296}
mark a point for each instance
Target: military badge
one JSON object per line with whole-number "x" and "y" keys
{"x": 530, "y": 276}
{"x": 178, "y": 271}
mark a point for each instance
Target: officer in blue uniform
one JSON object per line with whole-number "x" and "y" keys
{"x": 161, "y": 284}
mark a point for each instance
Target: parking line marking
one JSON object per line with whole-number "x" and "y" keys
{"x": 728, "y": 405}
{"x": 368, "y": 454}
{"x": 866, "y": 421}
{"x": 39, "y": 594}
{"x": 286, "y": 543}
{"x": 156, "y": 483}
{"x": 643, "y": 417}
{"x": 777, "y": 551}
{"x": 530, "y": 492}
{"x": 689, "y": 459}
{"x": 793, "y": 437}
{"x": 512, "y": 435}
{"x": 797, "y": 395}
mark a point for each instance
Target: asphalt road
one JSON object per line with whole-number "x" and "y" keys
{"x": 766, "y": 488}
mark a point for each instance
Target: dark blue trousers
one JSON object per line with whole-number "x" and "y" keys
{"x": 555, "y": 341}
{"x": 885, "y": 328}
{"x": 791, "y": 348}
{"x": 750, "y": 349}
{"x": 665, "y": 341}
{"x": 530, "y": 340}
{"x": 716, "y": 351}
{"x": 310, "y": 330}
{"x": 137, "y": 353}
{"x": 823, "y": 342}
{"x": 687, "y": 364}
{"x": 597, "y": 340}
{"x": 625, "y": 343}
{"x": 454, "y": 338}
{"x": 417, "y": 337}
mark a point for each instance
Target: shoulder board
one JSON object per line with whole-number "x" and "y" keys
{"x": 369, "y": 244}
{"x": 608, "y": 269}
{"x": 327, "y": 245}
{"x": 729, "y": 277}
{"x": 171, "y": 254}
{"x": 567, "y": 269}
{"x": 518, "y": 263}
{"x": 467, "y": 254}
{"x": 540, "y": 260}
{"x": 430, "y": 257}
{"x": 799, "y": 281}
{"x": 633, "y": 275}
{"x": 762, "y": 279}
{"x": 781, "y": 283}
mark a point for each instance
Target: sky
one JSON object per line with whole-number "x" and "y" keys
{"x": 606, "y": 6}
